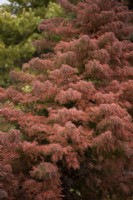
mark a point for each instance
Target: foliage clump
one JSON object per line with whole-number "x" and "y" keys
{"x": 68, "y": 117}
{"x": 19, "y": 21}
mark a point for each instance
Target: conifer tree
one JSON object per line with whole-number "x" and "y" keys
{"x": 18, "y": 29}
{"x": 67, "y": 119}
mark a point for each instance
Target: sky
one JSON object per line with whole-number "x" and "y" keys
{"x": 3, "y": 1}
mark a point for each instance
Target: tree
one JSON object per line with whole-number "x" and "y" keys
{"x": 67, "y": 119}
{"x": 19, "y": 21}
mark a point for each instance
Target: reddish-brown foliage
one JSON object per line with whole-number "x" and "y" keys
{"x": 67, "y": 119}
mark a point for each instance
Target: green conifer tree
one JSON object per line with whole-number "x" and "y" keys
{"x": 18, "y": 29}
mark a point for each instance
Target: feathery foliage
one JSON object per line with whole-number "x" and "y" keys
{"x": 67, "y": 119}
{"x": 19, "y": 21}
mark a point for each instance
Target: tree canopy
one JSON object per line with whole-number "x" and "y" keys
{"x": 67, "y": 118}
{"x": 18, "y": 29}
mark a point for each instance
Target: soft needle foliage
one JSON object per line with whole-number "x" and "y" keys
{"x": 67, "y": 119}
{"x": 18, "y": 30}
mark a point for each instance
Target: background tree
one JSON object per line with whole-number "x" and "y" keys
{"x": 67, "y": 119}
{"x": 19, "y": 21}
